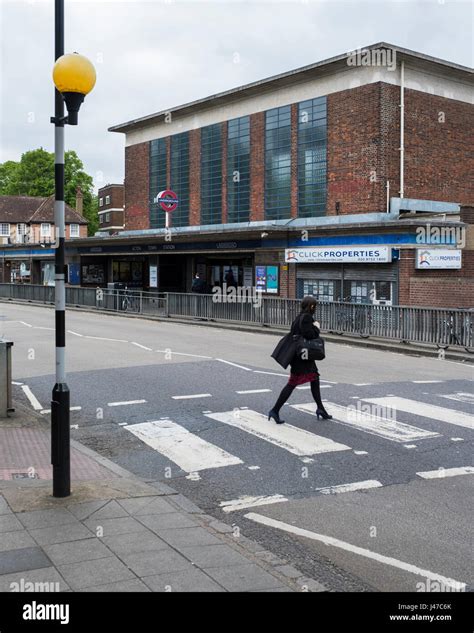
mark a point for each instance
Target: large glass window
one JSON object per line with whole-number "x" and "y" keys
{"x": 211, "y": 174}
{"x": 312, "y": 148}
{"x": 157, "y": 181}
{"x": 238, "y": 170}
{"x": 180, "y": 177}
{"x": 278, "y": 163}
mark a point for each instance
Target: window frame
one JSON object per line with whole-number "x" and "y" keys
{"x": 42, "y": 232}
{"x": 2, "y": 232}
{"x": 77, "y": 228}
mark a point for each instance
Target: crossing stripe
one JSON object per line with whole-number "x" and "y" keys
{"x": 426, "y": 410}
{"x": 250, "y": 502}
{"x": 460, "y": 396}
{"x": 376, "y": 425}
{"x": 285, "y": 436}
{"x": 37, "y": 406}
{"x": 446, "y": 472}
{"x": 356, "y": 485}
{"x": 190, "y": 452}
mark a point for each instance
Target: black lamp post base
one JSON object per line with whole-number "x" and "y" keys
{"x": 60, "y": 440}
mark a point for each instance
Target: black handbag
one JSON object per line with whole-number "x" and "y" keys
{"x": 285, "y": 351}
{"x": 310, "y": 349}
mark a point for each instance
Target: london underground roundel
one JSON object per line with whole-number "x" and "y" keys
{"x": 168, "y": 200}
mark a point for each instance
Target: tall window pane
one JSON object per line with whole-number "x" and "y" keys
{"x": 180, "y": 177}
{"x": 312, "y": 159}
{"x": 278, "y": 163}
{"x": 238, "y": 170}
{"x": 211, "y": 174}
{"x": 157, "y": 181}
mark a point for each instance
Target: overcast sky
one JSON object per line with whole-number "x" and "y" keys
{"x": 154, "y": 54}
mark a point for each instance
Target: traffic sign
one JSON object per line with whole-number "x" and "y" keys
{"x": 168, "y": 200}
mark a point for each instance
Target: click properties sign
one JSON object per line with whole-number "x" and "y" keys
{"x": 339, "y": 254}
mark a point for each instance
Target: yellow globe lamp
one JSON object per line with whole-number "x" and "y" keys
{"x": 74, "y": 77}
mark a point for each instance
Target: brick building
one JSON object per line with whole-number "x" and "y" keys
{"x": 350, "y": 178}
{"x": 110, "y": 211}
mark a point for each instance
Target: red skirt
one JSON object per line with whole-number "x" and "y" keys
{"x": 300, "y": 379}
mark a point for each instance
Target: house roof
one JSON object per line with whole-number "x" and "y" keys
{"x": 333, "y": 64}
{"x": 32, "y": 209}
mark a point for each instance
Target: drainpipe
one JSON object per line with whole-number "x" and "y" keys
{"x": 387, "y": 184}
{"x": 402, "y": 127}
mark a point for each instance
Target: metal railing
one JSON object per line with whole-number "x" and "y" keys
{"x": 443, "y": 327}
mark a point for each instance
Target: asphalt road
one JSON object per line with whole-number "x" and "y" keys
{"x": 343, "y": 500}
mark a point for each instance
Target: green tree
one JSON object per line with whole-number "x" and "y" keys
{"x": 33, "y": 175}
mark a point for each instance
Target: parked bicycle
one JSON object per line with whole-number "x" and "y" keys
{"x": 130, "y": 301}
{"x": 458, "y": 334}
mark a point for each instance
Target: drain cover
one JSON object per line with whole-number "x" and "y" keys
{"x": 25, "y": 476}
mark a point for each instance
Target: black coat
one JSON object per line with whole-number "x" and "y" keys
{"x": 303, "y": 324}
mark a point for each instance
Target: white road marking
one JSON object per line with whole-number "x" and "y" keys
{"x": 307, "y": 460}
{"x": 426, "y": 382}
{"x": 270, "y": 373}
{"x": 373, "y": 424}
{"x": 304, "y": 387}
{"x": 254, "y": 467}
{"x": 354, "y": 549}
{"x": 142, "y": 346}
{"x": 363, "y": 384}
{"x": 37, "y": 406}
{"x": 441, "y": 473}
{"x": 194, "y": 395}
{"x": 16, "y": 383}
{"x": 123, "y": 423}
{"x": 103, "y": 338}
{"x": 194, "y": 476}
{"x": 190, "y": 452}
{"x": 250, "y": 502}
{"x": 289, "y": 438}
{"x": 255, "y": 391}
{"x": 70, "y": 409}
{"x": 461, "y": 396}
{"x": 74, "y": 426}
{"x": 24, "y": 323}
{"x": 125, "y": 403}
{"x": 426, "y": 410}
{"x": 361, "y": 452}
{"x": 356, "y": 485}
{"x": 227, "y": 362}
{"x": 457, "y": 439}
{"x": 75, "y": 333}
{"x": 410, "y": 445}
{"x": 169, "y": 351}
{"x": 39, "y": 327}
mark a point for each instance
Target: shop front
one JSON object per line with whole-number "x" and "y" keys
{"x": 352, "y": 274}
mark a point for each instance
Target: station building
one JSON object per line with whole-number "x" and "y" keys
{"x": 349, "y": 179}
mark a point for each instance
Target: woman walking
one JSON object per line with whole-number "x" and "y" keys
{"x": 302, "y": 370}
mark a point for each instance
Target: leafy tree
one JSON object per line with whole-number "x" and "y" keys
{"x": 33, "y": 175}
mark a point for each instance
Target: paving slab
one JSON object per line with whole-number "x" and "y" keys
{"x": 61, "y": 534}
{"x": 16, "y": 540}
{"x": 102, "y": 571}
{"x": 249, "y": 577}
{"x": 38, "y": 519}
{"x": 47, "y": 579}
{"x": 109, "y": 527}
{"x": 121, "y": 586}
{"x": 4, "y": 507}
{"x": 84, "y": 510}
{"x": 156, "y": 562}
{"x": 167, "y": 521}
{"x": 77, "y": 551}
{"x": 186, "y": 504}
{"x": 111, "y": 510}
{"x": 188, "y": 537}
{"x": 214, "y": 556}
{"x": 185, "y": 581}
{"x": 134, "y": 543}
{"x": 147, "y": 505}
{"x": 9, "y": 523}
{"x": 23, "y": 559}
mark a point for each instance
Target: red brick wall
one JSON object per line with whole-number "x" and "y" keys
{"x": 440, "y": 288}
{"x": 439, "y": 157}
{"x": 195, "y": 177}
{"x": 354, "y": 150}
{"x": 257, "y": 166}
{"x": 116, "y": 193}
{"x": 137, "y": 213}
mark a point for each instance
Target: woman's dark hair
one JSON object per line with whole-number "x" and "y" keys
{"x": 307, "y": 303}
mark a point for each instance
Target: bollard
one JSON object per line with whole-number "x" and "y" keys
{"x": 5, "y": 378}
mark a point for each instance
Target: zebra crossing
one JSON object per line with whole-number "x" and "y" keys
{"x": 192, "y": 453}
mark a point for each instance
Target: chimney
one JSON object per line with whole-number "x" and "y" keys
{"x": 79, "y": 201}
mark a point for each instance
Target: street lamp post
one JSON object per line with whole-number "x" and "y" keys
{"x": 74, "y": 77}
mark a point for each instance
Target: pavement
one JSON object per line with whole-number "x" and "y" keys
{"x": 116, "y": 532}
